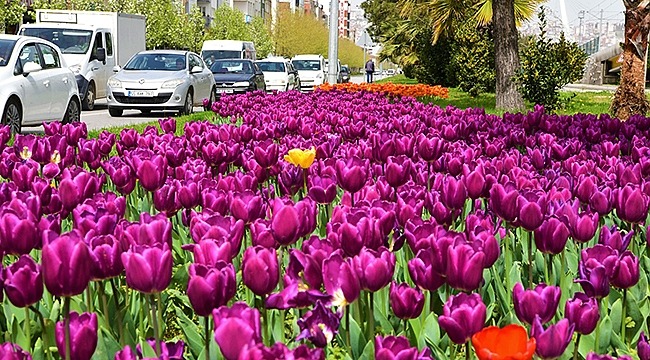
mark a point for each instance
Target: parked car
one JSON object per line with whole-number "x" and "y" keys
{"x": 227, "y": 49}
{"x": 345, "y": 74}
{"x": 237, "y": 76}
{"x": 311, "y": 69}
{"x": 279, "y": 74}
{"x": 37, "y": 85}
{"x": 160, "y": 80}
{"x": 390, "y": 72}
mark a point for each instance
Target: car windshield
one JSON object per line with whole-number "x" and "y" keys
{"x": 313, "y": 65}
{"x": 156, "y": 61}
{"x": 345, "y": 69}
{"x": 271, "y": 66}
{"x": 231, "y": 67}
{"x": 210, "y": 56}
{"x": 6, "y": 46}
{"x": 70, "y": 41}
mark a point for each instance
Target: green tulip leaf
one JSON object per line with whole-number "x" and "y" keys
{"x": 357, "y": 338}
{"x": 615, "y": 314}
{"x": 368, "y": 351}
{"x": 605, "y": 334}
{"x": 431, "y": 329}
{"x": 192, "y": 333}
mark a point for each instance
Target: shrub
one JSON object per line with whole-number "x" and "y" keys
{"x": 472, "y": 58}
{"x": 547, "y": 66}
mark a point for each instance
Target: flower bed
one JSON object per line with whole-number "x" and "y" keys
{"x": 338, "y": 224}
{"x": 417, "y": 90}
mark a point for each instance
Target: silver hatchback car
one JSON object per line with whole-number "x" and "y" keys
{"x": 161, "y": 80}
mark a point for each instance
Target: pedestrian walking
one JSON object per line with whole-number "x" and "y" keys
{"x": 370, "y": 69}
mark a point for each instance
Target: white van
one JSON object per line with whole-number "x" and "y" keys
{"x": 227, "y": 49}
{"x": 311, "y": 70}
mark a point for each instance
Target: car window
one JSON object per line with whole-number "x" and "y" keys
{"x": 50, "y": 57}
{"x": 109, "y": 44}
{"x": 156, "y": 61}
{"x": 195, "y": 61}
{"x": 29, "y": 54}
{"x": 6, "y": 47}
{"x": 98, "y": 44}
{"x": 231, "y": 67}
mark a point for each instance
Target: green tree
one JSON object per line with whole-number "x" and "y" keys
{"x": 472, "y": 58}
{"x": 11, "y": 13}
{"x": 228, "y": 24}
{"x": 261, "y": 36}
{"x": 546, "y": 66}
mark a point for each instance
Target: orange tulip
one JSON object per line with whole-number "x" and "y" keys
{"x": 419, "y": 90}
{"x": 508, "y": 343}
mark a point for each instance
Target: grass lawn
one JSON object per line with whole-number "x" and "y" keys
{"x": 180, "y": 124}
{"x": 583, "y": 102}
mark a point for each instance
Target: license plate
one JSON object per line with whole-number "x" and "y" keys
{"x": 225, "y": 91}
{"x": 140, "y": 93}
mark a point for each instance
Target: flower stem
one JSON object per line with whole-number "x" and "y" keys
{"x": 623, "y": 315}
{"x": 102, "y": 294}
{"x": 66, "y": 313}
{"x": 597, "y": 340}
{"x": 467, "y": 355}
{"x": 118, "y": 314}
{"x": 89, "y": 299}
{"x": 265, "y": 318}
{"x": 28, "y": 330}
{"x": 371, "y": 316}
{"x": 530, "y": 261}
{"x": 575, "y": 349}
{"x": 304, "y": 179}
{"x": 347, "y": 329}
{"x": 41, "y": 319}
{"x": 154, "y": 319}
{"x": 207, "y": 338}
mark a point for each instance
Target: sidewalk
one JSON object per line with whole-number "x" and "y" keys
{"x": 588, "y": 87}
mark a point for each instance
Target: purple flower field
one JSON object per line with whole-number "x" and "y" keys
{"x": 329, "y": 225}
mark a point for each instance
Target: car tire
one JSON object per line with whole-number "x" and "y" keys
{"x": 115, "y": 112}
{"x": 188, "y": 106}
{"x": 12, "y": 116}
{"x": 213, "y": 98}
{"x": 89, "y": 98}
{"x": 72, "y": 113}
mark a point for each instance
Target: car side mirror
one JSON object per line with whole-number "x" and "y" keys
{"x": 31, "y": 67}
{"x": 196, "y": 69}
{"x": 116, "y": 68}
{"x": 101, "y": 55}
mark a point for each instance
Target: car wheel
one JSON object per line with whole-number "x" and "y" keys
{"x": 13, "y": 116}
{"x": 189, "y": 104}
{"x": 213, "y": 98}
{"x": 89, "y": 99}
{"x": 115, "y": 112}
{"x": 72, "y": 113}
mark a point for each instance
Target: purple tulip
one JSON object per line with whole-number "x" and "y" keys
{"x": 238, "y": 319}
{"x": 426, "y": 272}
{"x": 168, "y": 350}
{"x": 165, "y": 198}
{"x": 453, "y": 193}
{"x": 406, "y": 302}
{"x": 151, "y": 230}
{"x": 18, "y": 232}
{"x": 351, "y": 174}
{"x": 266, "y": 153}
{"x": 210, "y": 288}
{"x": 210, "y": 252}
{"x": 541, "y": 301}
{"x": 582, "y": 311}
{"x": 23, "y": 282}
{"x": 504, "y": 202}
{"x": 374, "y": 268}
{"x": 9, "y": 351}
{"x": 398, "y": 170}
{"x": 319, "y": 325}
{"x": 631, "y": 204}
{"x": 148, "y": 268}
{"x": 209, "y": 225}
{"x": 340, "y": 280}
{"x": 106, "y": 253}
{"x": 279, "y": 351}
{"x": 322, "y": 189}
{"x": 643, "y": 348}
{"x": 552, "y": 342}
{"x": 551, "y": 236}
{"x": 260, "y": 270}
{"x": 531, "y": 215}
{"x": 463, "y": 316}
{"x": 612, "y": 237}
{"x": 431, "y": 148}
{"x": 464, "y": 267}
{"x": 398, "y": 348}
{"x": 285, "y": 224}
{"x": 67, "y": 264}
{"x": 594, "y": 356}
{"x": 121, "y": 174}
{"x": 167, "y": 125}
{"x": 150, "y": 170}
{"x": 247, "y": 206}
{"x": 474, "y": 181}
{"x": 83, "y": 336}
{"x": 627, "y": 273}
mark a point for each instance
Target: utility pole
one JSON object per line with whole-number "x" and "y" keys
{"x": 333, "y": 53}
{"x": 581, "y": 16}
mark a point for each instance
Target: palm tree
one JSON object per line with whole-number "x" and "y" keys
{"x": 441, "y": 15}
{"x": 630, "y": 98}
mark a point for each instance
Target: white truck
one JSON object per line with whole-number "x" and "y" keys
{"x": 92, "y": 44}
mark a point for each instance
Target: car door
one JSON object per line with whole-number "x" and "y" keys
{"x": 98, "y": 68}
{"x": 107, "y": 69}
{"x": 291, "y": 78}
{"x": 35, "y": 86}
{"x": 60, "y": 81}
{"x": 202, "y": 79}
{"x": 259, "y": 77}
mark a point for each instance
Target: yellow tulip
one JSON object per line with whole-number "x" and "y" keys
{"x": 302, "y": 158}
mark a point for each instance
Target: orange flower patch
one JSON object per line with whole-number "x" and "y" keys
{"x": 419, "y": 90}
{"x": 508, "y": 343}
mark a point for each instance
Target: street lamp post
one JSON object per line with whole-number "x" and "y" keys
{"x": 333, "y": 53}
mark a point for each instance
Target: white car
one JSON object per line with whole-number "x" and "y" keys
{"x": 279, "y": 74}
{"x": 161, "y": 80}
{"x": 311, "y": 70}
{"x": 37, "y": 86}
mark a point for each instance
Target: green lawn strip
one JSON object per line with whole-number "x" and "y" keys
{"x": 180, "y": 124}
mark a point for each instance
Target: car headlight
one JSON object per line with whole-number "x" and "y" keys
{"x": 76, "y": 69}
{"x": 114, "y": 83}
{"x": 242, "y": 83}
{"x": 171, "y": 84}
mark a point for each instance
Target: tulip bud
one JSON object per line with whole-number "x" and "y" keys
{"x": 148, "y": 268}
{"x": 23, "y": 282}
{"x": 374, "y": 268}
{"x": 210, "y": 288}
{"x": 240, "y": 320}
{"x": 66, "y": 263}
{"x": 83, "y": 336}
{"x": 627, "y": 273}
{"x": 463, "y": 316}
{"x": 398, "y": 347}
{"x": 582, "y": 311}
{"x": 464, "y": 267}
{"x": 551, "y": 236}
{"x": 9, "y": 351}
{"x": 552, "y": 342}
{"x": 260, "y": 270}
{"x": 542, "y": 301}
{"x": 406, "y": 302}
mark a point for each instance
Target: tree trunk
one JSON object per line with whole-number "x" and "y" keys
{"x": 506, "y": 55}
{"x": 630, "y": 98}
